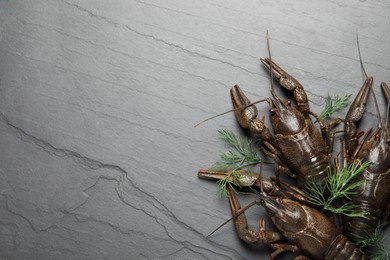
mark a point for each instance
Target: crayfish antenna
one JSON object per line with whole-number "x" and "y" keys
{"x": 242, "y": 210}
{"x": 258, "y": 101}
{"x": 232, "y": 110}
{"x": 261, "y": 177}
{"x": 380, "y": 126}
{"x": 360, "y": 55}
{"x": 277, "y": 101}
{"x": 270, "y": 71}
{"x": 273, "y": 93}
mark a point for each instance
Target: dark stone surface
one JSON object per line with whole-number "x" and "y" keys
{"x": 98, "y": 100}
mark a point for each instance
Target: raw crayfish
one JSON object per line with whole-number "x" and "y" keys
{"x": 305, "y": 153}
{"x": 308, "y": 230}
{"x": 298, "y": 147}
{"x": 373, "y": 196}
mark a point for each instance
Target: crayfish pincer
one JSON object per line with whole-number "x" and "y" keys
{"x": 299, "y": 148}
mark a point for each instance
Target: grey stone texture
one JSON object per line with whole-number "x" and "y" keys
{"x": 98, "y": 102}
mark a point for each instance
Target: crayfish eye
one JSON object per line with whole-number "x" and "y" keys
{"x": 288, "y": 103}
{"x": 272, "y": 111}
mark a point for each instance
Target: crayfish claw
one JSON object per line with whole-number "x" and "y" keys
{"x": 358, "y": 106}
{"x": 241, "y": 178}
{"x": 285, "y": 79}
{"x": 245, "y": 113}
{"x": 248, "y": 235}
{"x": 355, "y": 114}
{"x": 277, "y": 71}
{"x": 386, "y": 91}
{"x": 290, "y": 83}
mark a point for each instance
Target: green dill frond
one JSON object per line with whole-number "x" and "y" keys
{"x": 374, "y": 241}
{"x": 315, "y": 193}
{"x": 370, "y": 239}
{"x": 333, "y": 105}
{"x": 242, "y": 155}
{"x": 233, "y": 180}
{"x": 383, "y": 255}
{"x": 339, "y": 185}
{"x": 380, "y": 253}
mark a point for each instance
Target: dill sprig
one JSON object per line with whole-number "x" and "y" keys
{"x": 333, "y": 105}
{"x": 242, "y": 155}
{"x": 374, "y": 241}
{"x": 381, "y": 254}
{"x": 370, "y": 239}
{"x": 232, "y": 180}
{"x": 339, "y": 184}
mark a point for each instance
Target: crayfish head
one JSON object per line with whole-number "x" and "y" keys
{"x": 285, "y": 119}
{"x": 287, "y": 215}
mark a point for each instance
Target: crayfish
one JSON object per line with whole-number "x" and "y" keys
{"x": 298, "y": 147}
{"x": 373, "y": 196}
{"x": 304, "y": 152}
{"x": 308, "y": 230}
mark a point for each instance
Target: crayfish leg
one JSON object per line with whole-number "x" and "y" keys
{"x": 281, "y": 248}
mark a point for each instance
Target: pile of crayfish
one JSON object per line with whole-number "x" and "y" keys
{"x": 301, "y": 146}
